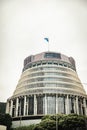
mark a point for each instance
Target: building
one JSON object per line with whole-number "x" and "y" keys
{"x": 49, "y": 84}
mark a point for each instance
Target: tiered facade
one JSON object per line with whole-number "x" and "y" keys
{"x": 49, "y": 84}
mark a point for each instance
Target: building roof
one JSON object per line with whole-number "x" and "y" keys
{"x": 49, "y": 56}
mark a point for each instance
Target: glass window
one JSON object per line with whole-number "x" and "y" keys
{"x": 40, "y": 102}
{"x": 14, "y": 107}
{"x": 80, "y": 105}
{"x": 31, "y": 106}
{"x": 21, "y": 107}
{"x": 55, "y": 63}
{"x": 86, "y": 103}
{"x": 52, "y": 55}
{"x": 61, "y": 105}
{"x": 51, "y": 104}
{"x": 61, "y": 64}
{"x": 43, "y": 63}
{"x": 38, "y": 64}
{"x": 71, "y": 104}
{"x": 13, "y": 112}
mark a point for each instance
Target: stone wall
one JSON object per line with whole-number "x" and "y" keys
{"x": 2, "y": 127}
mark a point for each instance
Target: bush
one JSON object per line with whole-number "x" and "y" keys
{"x": 5, "y": 119}
{"x": 46, "y": 125}
{"x": 73, "y": 122}
{"x": 64, "y": 122}
{"x": 2, "y": 107}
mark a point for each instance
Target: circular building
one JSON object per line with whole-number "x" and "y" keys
{"x": 49, "y": 84}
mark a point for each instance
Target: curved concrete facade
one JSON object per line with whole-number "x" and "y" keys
{"x": 49, "y": 84}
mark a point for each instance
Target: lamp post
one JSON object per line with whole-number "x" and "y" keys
{"x": 56, "y": 123}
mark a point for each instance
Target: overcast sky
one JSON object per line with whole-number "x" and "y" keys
{"x": 23, "y": 26}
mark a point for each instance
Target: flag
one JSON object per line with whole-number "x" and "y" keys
{"x": 47, "y": 39}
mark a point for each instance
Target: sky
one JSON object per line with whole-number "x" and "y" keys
{"x": 23, "y": 26}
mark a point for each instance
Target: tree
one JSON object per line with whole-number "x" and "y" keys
{"x": 73, "y": 122}
{"x": 5, "y": 119}
{"x": 2, "y": 107}
{"x": 46, "y": 125}
{"x": 64, "y": 122}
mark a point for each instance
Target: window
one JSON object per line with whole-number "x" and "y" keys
{"x": 51, "y": 104}
{"x": 40, "y": 105}
{"x": 31, "y": 106}
{"x": 61, "y": 105}
{"x": 14, "y": 107}
{"x": 52, "y": 55}
{"x": 71, "y": 103}
{"x": 21, "y": 107}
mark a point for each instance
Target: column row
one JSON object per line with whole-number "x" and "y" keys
{"x": 46, "y": 104}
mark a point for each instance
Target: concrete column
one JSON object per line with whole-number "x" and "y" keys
{"x": 84, "y": 103}
{"x": 17, "y": 102}
{"x": 81, "y": 107}
{"x": 45, "y": 104}
{"x": 20, "y": 108}
{"x": 56, "y": 103}
{"x": 11, "y": 107}
{"x": 77, "y": 106}
{"x": 27, "y": 105}
{"x": 24, "y": 113}
{"x": 7, "y": 107}
{"x": 74, "y": 106}
{"x": 67, "y": 105}
{"x": 35, "y": 105}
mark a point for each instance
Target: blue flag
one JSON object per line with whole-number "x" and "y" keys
{"x": 47, "y": 39}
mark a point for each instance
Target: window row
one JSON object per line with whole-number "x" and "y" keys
{"x": 69, "y": 86}
{"x": 67, "y": 65}
{"x": 30, "y": 75}
{"x": 49, "y": 79}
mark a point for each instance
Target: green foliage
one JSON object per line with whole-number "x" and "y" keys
{"x": 5, "y": 119}
{"x": 46, "y": 125}
{"x": 2, "y": 107}
{"x": 63, "y": 122}
{"x": 46, "y": 117}
{"x": 53, "y": 117}
{"x": 72, "y": 122}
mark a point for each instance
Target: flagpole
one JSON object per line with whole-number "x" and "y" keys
{"x": 48, "y": 46}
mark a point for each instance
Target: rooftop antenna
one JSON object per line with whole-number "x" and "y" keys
{"x": 47, "y": 40}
